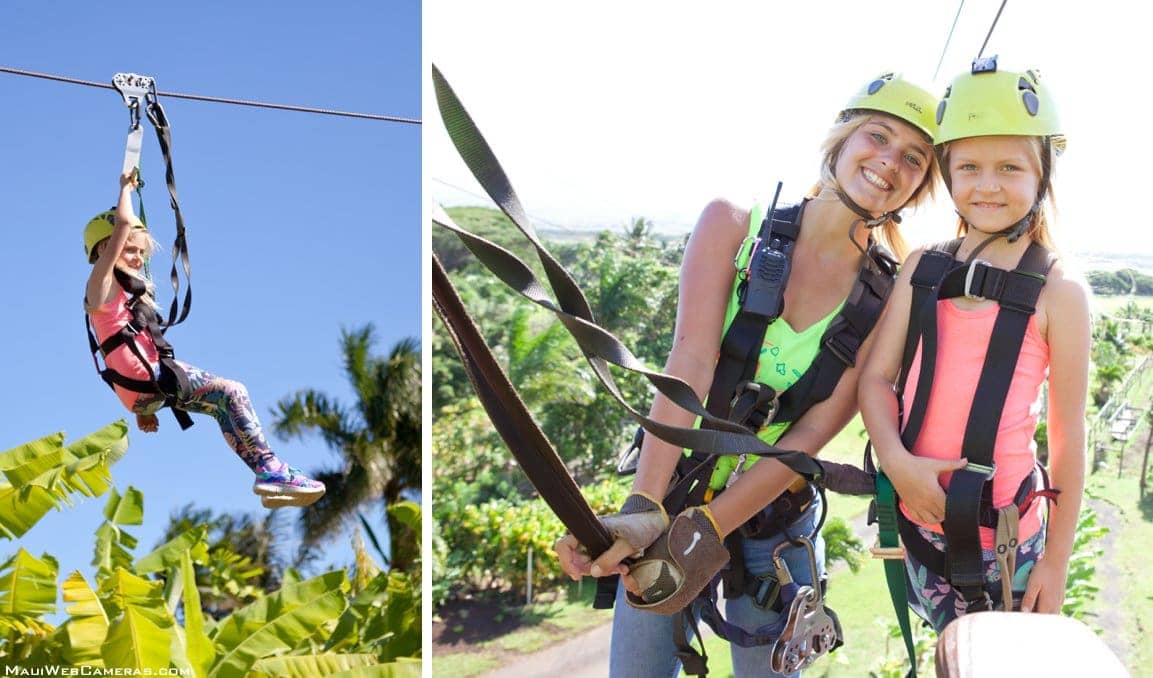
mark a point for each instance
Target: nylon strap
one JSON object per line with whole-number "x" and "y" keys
{"x": 159, "y": 120}
{"x": 599, "y": 346}
{"x": 532, "y": 449}
{"x": 887, "y": 538}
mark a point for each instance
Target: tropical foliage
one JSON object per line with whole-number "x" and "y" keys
{"x": 377, "y": 438}
{"x": 143, "y": 614}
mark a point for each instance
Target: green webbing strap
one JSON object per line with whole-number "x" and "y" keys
{"x": 887, "y": 538}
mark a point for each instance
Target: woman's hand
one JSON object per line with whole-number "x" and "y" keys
{"x": 148, "y": 423}
{"x": 917, "y": 481}
{"x": 1045, "y": 592}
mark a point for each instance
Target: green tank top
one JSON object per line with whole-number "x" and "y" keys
{"x": 785, "y": 356}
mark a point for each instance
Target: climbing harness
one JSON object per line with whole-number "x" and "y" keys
{"x": 969, "y": 506}
{"x": 170, "y": 380}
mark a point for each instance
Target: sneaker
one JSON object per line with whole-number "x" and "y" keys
{"x": 289, "y": 487}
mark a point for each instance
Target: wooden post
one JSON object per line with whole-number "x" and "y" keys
{"x": 528, "y": 579}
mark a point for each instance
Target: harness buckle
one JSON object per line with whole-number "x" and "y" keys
{"x": 969, "y": 294}
{"x": 839, "y": 347}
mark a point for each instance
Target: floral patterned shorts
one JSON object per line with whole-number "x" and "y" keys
{"x": 937, "y": 602}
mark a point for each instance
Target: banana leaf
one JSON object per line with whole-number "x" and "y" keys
{"x": 277, "y": 623}
{"x": 27, "y": 592}
{"x": 139, "y": 635}
{"x": 87, "y": 626}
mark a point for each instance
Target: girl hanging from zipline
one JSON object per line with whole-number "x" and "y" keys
{"x": 968, "y": 342}
{"x": 120, "y": 303}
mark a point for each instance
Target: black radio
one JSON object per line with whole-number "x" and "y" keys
{"x": 763, "y": 293}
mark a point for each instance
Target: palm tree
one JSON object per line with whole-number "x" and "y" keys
{"x": 378, "y": 439}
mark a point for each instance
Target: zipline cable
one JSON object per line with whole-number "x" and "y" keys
{"x": 948, "y": 40}
{"x": 990, "y": 33}
{"x": 220, "y": 100}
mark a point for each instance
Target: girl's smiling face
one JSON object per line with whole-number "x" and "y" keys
{"x": 994, "y": 179}
{"x": 882, "y": 163}
{"x": 135, "y": 251}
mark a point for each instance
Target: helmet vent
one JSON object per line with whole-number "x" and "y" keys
{"x": 875, "y": 86}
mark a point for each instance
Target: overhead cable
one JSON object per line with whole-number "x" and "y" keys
{"x": 948, "y": 40}
{"x": 994, "y": 25}
{"x": 220, "y": 100}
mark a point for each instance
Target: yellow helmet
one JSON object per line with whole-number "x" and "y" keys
{"x": 890, "y": 93}
{"x": 988, "y": 102}
{"x": 98, "y": 229}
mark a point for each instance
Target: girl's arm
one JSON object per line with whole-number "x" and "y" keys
{"x": 705, "y": 286}
{"x": 1068, "y": 330}
{"x": 916, "y": 479}
{"x": 101, "y": 289}
{"x": 706, "y": 280}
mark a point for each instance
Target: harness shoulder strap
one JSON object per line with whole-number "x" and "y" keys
{"x": 1017, "y": 294}
{"x": 844, "y": 336}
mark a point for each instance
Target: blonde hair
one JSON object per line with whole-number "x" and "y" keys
{"x": 1038, "y": 230}
{"x": 150, "y": 248}
{"x": 889, "y": 233}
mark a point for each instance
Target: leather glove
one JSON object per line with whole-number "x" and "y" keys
{"x": 678, "y": 566}
{"x": 640, "y": 521}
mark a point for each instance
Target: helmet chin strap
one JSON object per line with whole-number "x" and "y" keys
{"x": 1012, "y": 233}
{"x": 867, "y": 220}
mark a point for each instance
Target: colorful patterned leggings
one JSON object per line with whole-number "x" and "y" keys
{"x": 937, "y": 602}
{"x": 228, "y": 403}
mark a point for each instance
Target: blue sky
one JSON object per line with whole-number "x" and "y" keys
{"x": 618, "y": 110}
{"x": 298, "y": 224}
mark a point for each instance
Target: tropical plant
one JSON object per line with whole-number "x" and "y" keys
{"x": 243, "y": 559}
{"x": 144, "y": 615}
{"x": 377, "y": 438}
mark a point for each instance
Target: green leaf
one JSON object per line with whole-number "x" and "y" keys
{"x": 307, "y": 666}
{"x": 406, "y": 513}
{"x": 200, "y": 649}
{"x": 111, "y": 551}
{"x": 87, "y": 626}
{"x": 401, "y": 668}
{"x": 277, "y": 623}
{"x": 139, "y": 636}
{"x": 126, "y": 510}
{"x": 42, "y": 474}
{"x": 171, "y": 553}
{"x": 27, "y": 586}
{"x": 19, "y": 464}
{"x": 20, "y": 510}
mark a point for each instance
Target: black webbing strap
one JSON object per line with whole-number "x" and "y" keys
{"x": 180, "y": 245}
{"x": 1017, "y": 295}
{"x": 741, "y": 345}
{"x": 922, "y": 328}
{"x": 511, "y": 418}
{"x": 599, "y": 346}
{"x": 844, "y": 336}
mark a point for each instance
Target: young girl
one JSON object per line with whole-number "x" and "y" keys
{"x": 961, "y": 422}
{"x": 121, "y": 305}
{"x": 876, "y": 160}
